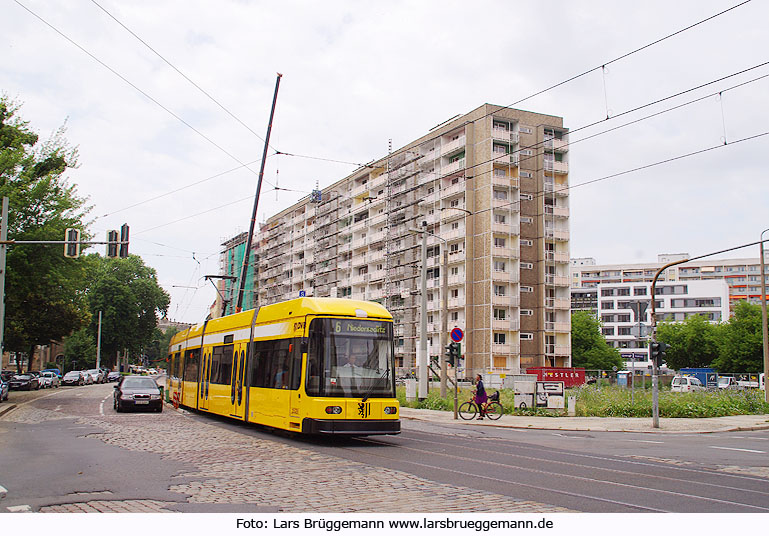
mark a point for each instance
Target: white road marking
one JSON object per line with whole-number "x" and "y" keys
{"x": 741, "y": 450}
{"x": 645, "y": 441}
{"x": 20, "y": 508}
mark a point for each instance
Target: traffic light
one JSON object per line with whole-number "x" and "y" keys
{"x": 112, "y": 244}
{"x": 72, "y": 245}
{"x": 124, "y": 241}
{"x": 657, "y": 353}
{"x": 452, "y": 353}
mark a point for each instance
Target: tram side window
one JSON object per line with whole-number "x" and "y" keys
{"x": 174, "y": 365}
{"x": 221, "y": 364}
{"x": 191, "y": 364}
{"x": 277, "y": 364}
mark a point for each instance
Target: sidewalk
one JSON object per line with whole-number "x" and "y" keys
{"x": 599, "y": 424}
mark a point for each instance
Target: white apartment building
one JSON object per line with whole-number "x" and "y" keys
{"x": 743, "y": 276}
{"x": 491, "y": 189}
{"x": 673, "y": 302}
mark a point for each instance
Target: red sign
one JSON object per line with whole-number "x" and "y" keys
{"x": 569, "y": 376}
{"x": 457, "y": 335}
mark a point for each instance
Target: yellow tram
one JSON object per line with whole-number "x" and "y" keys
{"x": 309, "y": 365}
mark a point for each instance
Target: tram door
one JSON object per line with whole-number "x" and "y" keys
{"x": 237, "y": 380}
{"x": 205, "y": 381}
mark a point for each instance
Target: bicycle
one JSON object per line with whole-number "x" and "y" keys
{"x": 491, "y": 409}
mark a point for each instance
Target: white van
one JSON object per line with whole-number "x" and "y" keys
{"x": 685, "y": 384}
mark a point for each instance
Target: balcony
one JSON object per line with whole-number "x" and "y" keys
{"x": 512, "y": 301}
{"x": 560, "y": 327}
{"x": 558, "y": 349}
{"x": 504, "y": 134}
{"x": 558, "y": 212}
{"x": 377, "y": 220}
{"x": 505, "y": 325}
{"x": 359, "y": 279}
{"x": 456, "y": 256}
{"x": 506, "y": 228}
{"x": 454, "y": 189}
{"x": 557, "y": 280}
{"x": 501, "y": 348}
{"x": 454, "y": 234}
{"x": 377, "y": 275}
{"x": 455, "y": 280}
{"x": 557, "y": 234}
{"x": 556, "y": 144}
{"x": 506, "y": 253}
{"x": 456, "y": 302}
{"x": 512, "y": 182}
{"x": 453, "y": 146}
{"x": 453, "y": 167}
{"x": 506, "y": 277}
{"x": 555, "y": 256}
{"x": 558, "y": 303}
{"x": 556, "y": 167}
{"x": 377, "y": 255}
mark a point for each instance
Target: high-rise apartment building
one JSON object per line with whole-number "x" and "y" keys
{"x": 491, "y": 189}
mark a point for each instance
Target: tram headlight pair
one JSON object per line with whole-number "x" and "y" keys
{"x": 390, "y": 410}
{"x": 333, "y": 410}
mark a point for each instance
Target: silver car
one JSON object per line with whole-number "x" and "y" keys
{"x": 49, "y": 379}
{"x": 96, "y": 375}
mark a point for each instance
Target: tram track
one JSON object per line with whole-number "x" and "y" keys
{"x": 690, "y": 501}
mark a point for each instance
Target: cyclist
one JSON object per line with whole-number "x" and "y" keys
{"x": 480, "y": 396}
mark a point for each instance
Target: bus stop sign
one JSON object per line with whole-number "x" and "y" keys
{"x": 457, "y": 335}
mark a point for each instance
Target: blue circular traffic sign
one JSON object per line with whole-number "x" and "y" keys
{"x": 457, "y": 335}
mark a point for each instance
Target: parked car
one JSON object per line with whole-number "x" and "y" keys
{"x": 96, "y": 375}
{"x": 87, "y": 378}
{"x": 25, "y": 382}
{"x": 4, "y": 388}
{"x": 685, "y": 384}
{"x": 50, "y": 379}
{"x": 137, "y": 392}
{"x": 73, "y": 377}
{"x": 114, "y": 376}
{"x": 6, "y": 375}
{"x": 54, "y": 370}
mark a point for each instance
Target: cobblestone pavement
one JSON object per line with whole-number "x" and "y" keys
{"x": 233, "y": 468}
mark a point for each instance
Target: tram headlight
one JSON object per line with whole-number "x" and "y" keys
{"x": 390, "y": 410}
{"x": 333, "y": 410}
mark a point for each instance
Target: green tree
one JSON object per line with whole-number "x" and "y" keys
{"x": 79, "y": 350}
{"x": 130, "y": 298}
{"x": 157, "y": 350}
{"x": 692, "y": 343}
{"x": 588, "y": 345}
{"x": 740, "y": 344}
{"x": 45, "y": 297}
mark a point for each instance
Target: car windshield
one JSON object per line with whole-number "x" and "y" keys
{"x": 139, "y": 383}
{"x": 23, "y": 376}
{"x": 72, "y": 374}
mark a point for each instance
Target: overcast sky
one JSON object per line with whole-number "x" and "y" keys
{"x": 357, "y": 74}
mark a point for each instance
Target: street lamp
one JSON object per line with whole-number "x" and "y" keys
{"x": 763, "y": 314}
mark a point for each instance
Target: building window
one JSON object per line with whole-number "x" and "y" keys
{"x": 526, "y": 242}
{"x": 454, "y": 316}
{"x": 501, "y": 195}
{"x": 527, "y": 312}
{"x": 500, "y": 338}
{"x": 499, "y": 266}
{"x": 527, "y": 336}
{"x": 639, "y": 291}
{"x": 607, "y": 305}
{"x": 525, "y": 174}
{"x": 527, "y": 266}
{"x": 500, "y": 314}
{"x": 500, "y": 290}
{"x": 527, "y": 289}
{"x": 607, "y": 332}
{"x": 526, "y": 219}
{"x": 500, "y": 219}
{"x": 455, "y": 293}
{"x": 623, "y": 330}
{"x": 526, "y": 197}
{"x": 499, "y": 242}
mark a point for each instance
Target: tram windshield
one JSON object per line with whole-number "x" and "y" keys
{"x": 350, "y": 358}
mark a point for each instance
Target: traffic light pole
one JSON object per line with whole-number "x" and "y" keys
{"x": 653, "y": 339}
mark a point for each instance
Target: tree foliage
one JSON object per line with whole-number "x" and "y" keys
{"x": 692, "y": 343}
{"x": 80, "y": 350}
{"x": 740, "y": 344}
{"x": 45, "y": 297}
{"x": 588, "y": 345}
{"x": 127, "y": 293}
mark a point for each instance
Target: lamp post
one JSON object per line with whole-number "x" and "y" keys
{"x": 763, "y": 314}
